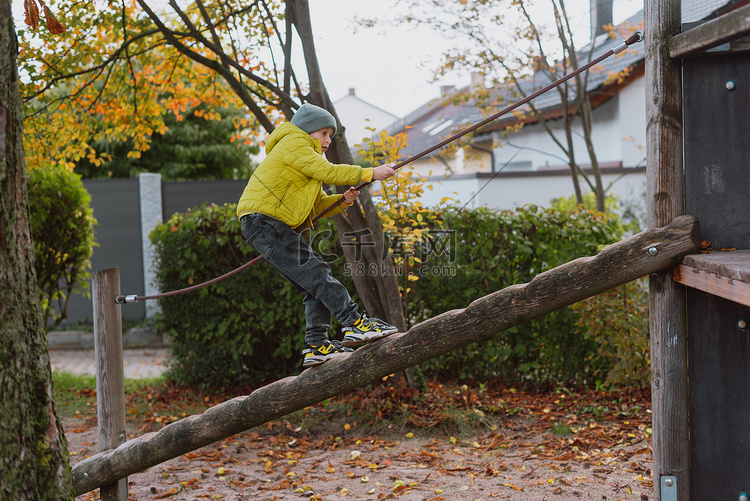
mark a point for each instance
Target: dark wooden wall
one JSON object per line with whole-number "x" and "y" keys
{"x": 717, "y": 189}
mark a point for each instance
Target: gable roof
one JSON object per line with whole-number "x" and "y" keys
{"x": 441, "y": 117}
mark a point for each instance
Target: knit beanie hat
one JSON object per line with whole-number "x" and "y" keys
{"x": 311, "y": 118}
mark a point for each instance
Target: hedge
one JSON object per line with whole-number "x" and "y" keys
{"x": 495, "y": 250}
{"x": 249, "y": 328}
{"x": 62, "y": 227}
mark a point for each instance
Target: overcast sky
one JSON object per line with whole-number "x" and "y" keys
{"x": 390, "y": 67}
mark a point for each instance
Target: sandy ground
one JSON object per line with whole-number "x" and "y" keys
{"x": 502, "y": 464}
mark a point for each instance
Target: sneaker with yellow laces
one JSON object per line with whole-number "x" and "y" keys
{"x": 316, "y": 355}
{"x": 365, "y": 330}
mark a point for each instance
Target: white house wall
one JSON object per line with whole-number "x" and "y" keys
{"x": 511, "y": 192}
{"x": 618, "y": 136}
{"x": 632, "y": 111}
{"x": 358, "y": 115}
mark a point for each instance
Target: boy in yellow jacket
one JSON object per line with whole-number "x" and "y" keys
{"x": 280, "y": 200}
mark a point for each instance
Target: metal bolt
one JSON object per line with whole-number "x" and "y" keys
{"x": 653, "y": 251}
{"x": 742, "y": 323}
{"x": 668, "y": 482}
{"x": 731, "y": 85}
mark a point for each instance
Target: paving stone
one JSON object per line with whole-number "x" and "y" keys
{"x": 138, "y": 363}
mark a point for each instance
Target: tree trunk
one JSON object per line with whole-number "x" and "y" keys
{"x": 370, "y": 261}
{"x": 587, "y": 124}
{"x": 33, "y": 449}
{"x": 567, "y": 126}
{"x": 617, "y": 264}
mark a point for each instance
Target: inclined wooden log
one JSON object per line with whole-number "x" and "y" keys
{"x": 620, "y": 263}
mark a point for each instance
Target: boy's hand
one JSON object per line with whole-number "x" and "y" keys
{"x": 350, "y": 195}
{"x": 382, "y": 172}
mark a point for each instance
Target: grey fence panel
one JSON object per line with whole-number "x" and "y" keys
{"x": 179, "y": 196}
{"x": 116, "y": 208}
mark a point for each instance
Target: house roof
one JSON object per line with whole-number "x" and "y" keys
{"x": 693, "y": 11}
{"x": 437, "y": 119}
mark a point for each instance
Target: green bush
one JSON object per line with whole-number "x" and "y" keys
{"x": 249, "y": 328}
{"x": 617, "y": 320}
{"x": 494, "y": 250}
{"x": 62, "y": 226}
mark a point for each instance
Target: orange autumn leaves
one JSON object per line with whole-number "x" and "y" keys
{"x": 31, "y": 10}
{"x": 109, "y": 84}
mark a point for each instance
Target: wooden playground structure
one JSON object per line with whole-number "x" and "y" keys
{"x": 700, "y": 305}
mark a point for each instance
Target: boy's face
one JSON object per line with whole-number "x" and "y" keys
{"x": 324, "y": 136}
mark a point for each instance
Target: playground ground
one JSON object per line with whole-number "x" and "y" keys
{"x": 544, "y": 448}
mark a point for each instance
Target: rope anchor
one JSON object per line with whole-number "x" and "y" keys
{"x": 616, "y": 48}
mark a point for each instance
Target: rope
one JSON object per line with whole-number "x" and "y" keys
{"x": 616, "y": 49}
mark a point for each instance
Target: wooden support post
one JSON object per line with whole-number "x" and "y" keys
{"x": 666, "y": 201}
{"x": 110, "y": 379}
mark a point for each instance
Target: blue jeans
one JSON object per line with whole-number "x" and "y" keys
{"x": 287, "y": 251}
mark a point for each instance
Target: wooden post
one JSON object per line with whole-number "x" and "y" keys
{"x": 666, "y": 200}
{"x": 110, "y": 379}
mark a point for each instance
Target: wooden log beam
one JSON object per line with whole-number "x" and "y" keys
{"x": 723, "y": 29}
{"x": 620, "y": 263}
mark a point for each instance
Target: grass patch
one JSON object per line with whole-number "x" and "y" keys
{"x": 561, "y": 429}
{"x": 75, "y": 394}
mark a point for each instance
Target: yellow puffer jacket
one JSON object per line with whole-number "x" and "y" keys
{"x": 287, "y": 185}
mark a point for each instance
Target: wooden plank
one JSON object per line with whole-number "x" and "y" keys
{"x": 620, "y": 263}
{"x": 666, "y": 201}
{"x": 723, "y": 29}
{"x": 110, "y": 378}
{"x": 734, "y": 265}
{"x": 734, "y": 290}
{"x": 723, "y": 274}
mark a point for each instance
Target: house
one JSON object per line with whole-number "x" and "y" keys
{"x": 505, "y": 171}
{"x": 360, "y": 117}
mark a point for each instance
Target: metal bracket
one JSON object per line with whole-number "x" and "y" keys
{"x": 668, "y": 488}
{"x": 131, "y": 298}
{"x": 620, "y": 46}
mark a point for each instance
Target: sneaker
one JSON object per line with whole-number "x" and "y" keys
{"x": 365, "y": 330}
{"x": 316, "y": 355}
